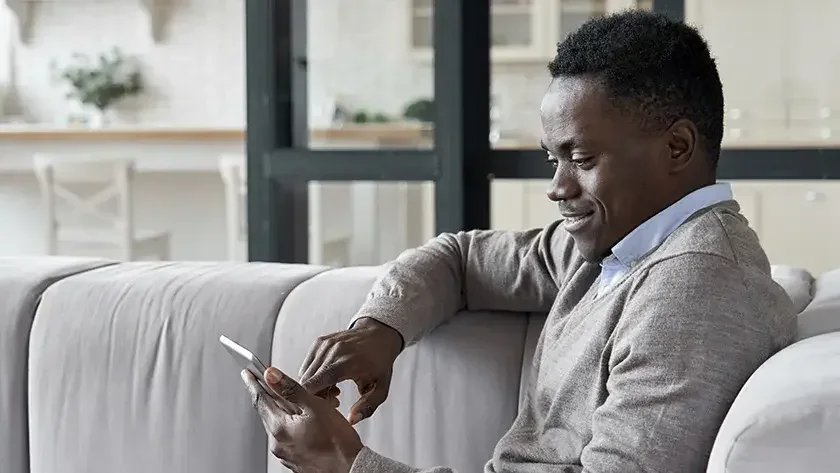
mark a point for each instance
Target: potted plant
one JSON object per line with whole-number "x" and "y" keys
{"x": 98, "y": 84}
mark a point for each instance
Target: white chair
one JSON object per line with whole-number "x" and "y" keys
{"x": 235, "y": 178}
{"x": 98, "y": 195}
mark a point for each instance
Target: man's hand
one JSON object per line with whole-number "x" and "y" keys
{"x": 305, "y": 432}
{"x": 364, "y": 354}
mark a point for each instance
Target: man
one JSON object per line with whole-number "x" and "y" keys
{"x": 659, "y": 295}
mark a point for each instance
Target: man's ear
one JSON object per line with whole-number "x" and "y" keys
{"x": 681, "y": 143}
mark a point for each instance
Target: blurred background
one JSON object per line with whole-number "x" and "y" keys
{"x": 124, "y": 124}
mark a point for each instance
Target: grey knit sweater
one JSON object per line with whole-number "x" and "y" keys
{"x": 637, "y": 379}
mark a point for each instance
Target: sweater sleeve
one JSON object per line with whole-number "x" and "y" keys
{"x": 368, "y": 461}
{"x": 689, "y": 337}
{"x": 517, "y": 271}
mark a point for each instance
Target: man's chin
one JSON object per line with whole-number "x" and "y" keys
{"x": 589, "y": 253}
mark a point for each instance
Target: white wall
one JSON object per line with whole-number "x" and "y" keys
{"x": 195, "y": 76}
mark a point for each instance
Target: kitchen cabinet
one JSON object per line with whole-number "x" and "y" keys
{"x": 797, "y": 221}
{"x": 776, "y": 62}
{"x": 521, "y": 30}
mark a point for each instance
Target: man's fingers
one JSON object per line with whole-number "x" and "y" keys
{"x": 315, "y": 354}
{"x": 367, "y": 404}
{"x": 331, "y": 391}
{"x": 325, "y": 377}
{"x": 286, "y": 388}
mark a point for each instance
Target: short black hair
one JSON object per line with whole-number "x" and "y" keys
{"x": 650, "y": 65}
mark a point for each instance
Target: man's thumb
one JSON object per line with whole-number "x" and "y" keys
{"x": 284, "y": 386}
{"x": 367, "y": 404}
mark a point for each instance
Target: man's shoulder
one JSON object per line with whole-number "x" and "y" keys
{"x": 719, "y": 232}
{"x": 715, "y": 268}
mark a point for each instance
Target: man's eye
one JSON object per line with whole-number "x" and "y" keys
{"x": 582, "y": 162}
{"x": 552, "y": 162}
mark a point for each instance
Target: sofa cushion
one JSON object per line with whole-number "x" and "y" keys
{"x": 787, "y": 416}
{"x": 797, "y": 282}
{"x": 22, "y": 281}
{"x": 822, "y": 315}
{"x": 127, "y": 373}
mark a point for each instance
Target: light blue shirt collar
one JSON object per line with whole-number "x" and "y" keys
{"x": 655, "y": 230}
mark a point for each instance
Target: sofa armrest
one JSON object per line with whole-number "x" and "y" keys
{"x": 787, "y": 416}
{"x": 127, "y": 373}
{"x": 453, "y": 395}
{"x": 22, "y": 282}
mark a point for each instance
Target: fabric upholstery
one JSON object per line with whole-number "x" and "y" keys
{"x": 127, "y": 374}
{"x": 787, "y": 416}
{"x": 22, "y": 281}
{"x": 453, "y": 395}
{"x": 797, "y": 282}
{"x": 822, "y": 315}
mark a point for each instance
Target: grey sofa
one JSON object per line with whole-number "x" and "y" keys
{"x": 110, "y": 367}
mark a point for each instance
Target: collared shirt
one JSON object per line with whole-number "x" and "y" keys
{"x": 655, "y": 230}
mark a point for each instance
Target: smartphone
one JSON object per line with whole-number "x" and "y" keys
{"x": 249, "y": 361}
{"x": 244, "y": 357}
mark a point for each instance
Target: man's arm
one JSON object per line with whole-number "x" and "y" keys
{"x": 690, "y": 336}
{"x": 478, "y": 270}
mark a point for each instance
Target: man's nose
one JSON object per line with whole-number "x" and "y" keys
{"x": 563, "y": 186}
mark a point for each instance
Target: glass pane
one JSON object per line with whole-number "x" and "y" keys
{"x": 574, "y": 13}
{"x": 780, "y": 88}
{"x": 371, "y": 74}
{"x": 368, "y": 223}
{"x": 520, "y": 204}
{"x": 511, "y": 29}
{"x": 518, "y": 86}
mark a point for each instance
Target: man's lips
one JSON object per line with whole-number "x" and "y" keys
{"x": 575, "y": 221}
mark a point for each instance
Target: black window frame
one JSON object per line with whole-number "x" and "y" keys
{"x": 462, "y": 164}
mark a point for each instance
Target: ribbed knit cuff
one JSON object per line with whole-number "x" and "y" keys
{"x": 368, "y": 461}
{"x": 391, "y": 313}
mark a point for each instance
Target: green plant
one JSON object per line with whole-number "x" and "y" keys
{"x": 363, "y": 116}
{"x": 101, "y": 82}
{"x": 422, "y": 110}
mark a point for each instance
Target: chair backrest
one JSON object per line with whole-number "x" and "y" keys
{"x": 107, "y": 202}
{"x": 234, "y": 173}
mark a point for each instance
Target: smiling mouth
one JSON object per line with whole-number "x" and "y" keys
{"x": 576, "y": 222}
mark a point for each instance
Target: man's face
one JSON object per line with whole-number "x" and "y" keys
{"x": 610, "y": 175}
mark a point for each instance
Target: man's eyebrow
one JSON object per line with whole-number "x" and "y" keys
{"x": 564, "y": 146}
